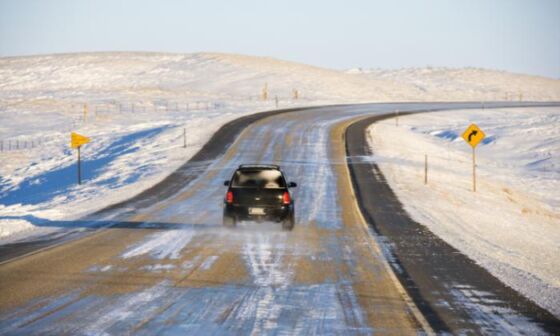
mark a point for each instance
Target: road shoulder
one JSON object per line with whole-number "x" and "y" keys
{"x": 404, "y": 312}
{"x": 442, "y": 282}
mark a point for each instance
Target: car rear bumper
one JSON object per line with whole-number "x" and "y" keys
{"x": 241, "y": 212}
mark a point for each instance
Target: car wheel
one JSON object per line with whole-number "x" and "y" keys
{"x": 288, "y": 223}
{"x": 229, "y": 221}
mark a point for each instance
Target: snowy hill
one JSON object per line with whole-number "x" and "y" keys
{"x": 468, "y": 83}
{"x": 202, "y": 75}
{"x": 211, "y": 75}
{"x": 59, "y": 85}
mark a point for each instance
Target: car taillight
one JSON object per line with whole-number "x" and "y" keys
{"x": 286, "y": 198}
{"x": 229, "y": 197}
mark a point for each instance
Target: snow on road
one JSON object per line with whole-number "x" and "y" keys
{"x": 139, "y": 103}
{"x": 138, "y": 106}
{"x": 511, "y": 224}
{"x": 38, "y": 186}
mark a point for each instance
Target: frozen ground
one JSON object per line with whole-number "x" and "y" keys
{"x": 511, "y": 224}
{"x": 137, "y": 108}
{"x": 122, "y": 159}
{"x": 139, "y": 103}
{"x": 436, "y": 84}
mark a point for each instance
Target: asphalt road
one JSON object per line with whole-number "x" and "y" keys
{"x": 432, "y": 271}
{"x": 164, "y": 264}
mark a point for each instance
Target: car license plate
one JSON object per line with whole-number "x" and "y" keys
{"x": 256, "y": 211}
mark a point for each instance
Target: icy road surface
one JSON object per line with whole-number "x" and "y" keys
{"x": 172, "y": 268}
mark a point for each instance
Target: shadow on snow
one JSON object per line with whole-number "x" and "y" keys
{"x": 57, "y": 182}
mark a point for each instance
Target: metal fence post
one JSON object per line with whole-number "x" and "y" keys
{"x": 425, "y": 168}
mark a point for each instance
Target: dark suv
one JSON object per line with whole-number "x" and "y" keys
{"x": 259, "y": 193}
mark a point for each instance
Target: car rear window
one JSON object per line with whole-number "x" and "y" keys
{"x": 265, "y": 179}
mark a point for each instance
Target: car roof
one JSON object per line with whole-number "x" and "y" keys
{"x": 259, "y": 166}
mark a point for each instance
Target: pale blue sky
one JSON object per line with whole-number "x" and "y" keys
{"x": 515, "y": 35}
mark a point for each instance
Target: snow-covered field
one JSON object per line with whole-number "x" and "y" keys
{"x": 437, "y": 84}
{"x": 123, "y": 159}
{"x": 511, "y": 225}
{"x": 139, "y": 103}
{"x": 138, "y": 106}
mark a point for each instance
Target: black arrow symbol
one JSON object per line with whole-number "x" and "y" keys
{"x": 473, "y": 133}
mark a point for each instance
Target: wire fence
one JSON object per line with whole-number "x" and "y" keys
{"x": 16, "y": 144}
{"x": 78, "y": 114}
{"x": 32, "y": 142}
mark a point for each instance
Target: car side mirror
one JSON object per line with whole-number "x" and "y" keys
{"x": 292, "y": 185}
{"x": 226, "y": 183}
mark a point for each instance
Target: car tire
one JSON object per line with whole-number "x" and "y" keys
{"x": 229, "y": 221}
{"x": 288, "y": 223}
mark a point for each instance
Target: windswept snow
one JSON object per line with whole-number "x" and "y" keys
{"x": 511, "y": 224}
{"x": 38, "y": 187}
{"x": 437, "y": 84}
{"x": 138, "y": 105}
{"x": 162, "y": 245}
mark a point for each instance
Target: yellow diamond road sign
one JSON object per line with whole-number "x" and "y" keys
{"x": 77, "y": 140}
{"x": 473, "y": 135}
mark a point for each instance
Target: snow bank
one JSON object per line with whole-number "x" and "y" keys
{"x": 510, "y": 225}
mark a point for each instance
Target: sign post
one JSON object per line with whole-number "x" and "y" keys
{"x": 79, "y": 167}
{"x": 473, "y": 136}
{"x": 76, "y": 141}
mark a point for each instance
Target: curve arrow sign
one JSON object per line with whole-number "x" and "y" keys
{"x": 473, "y": 133}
